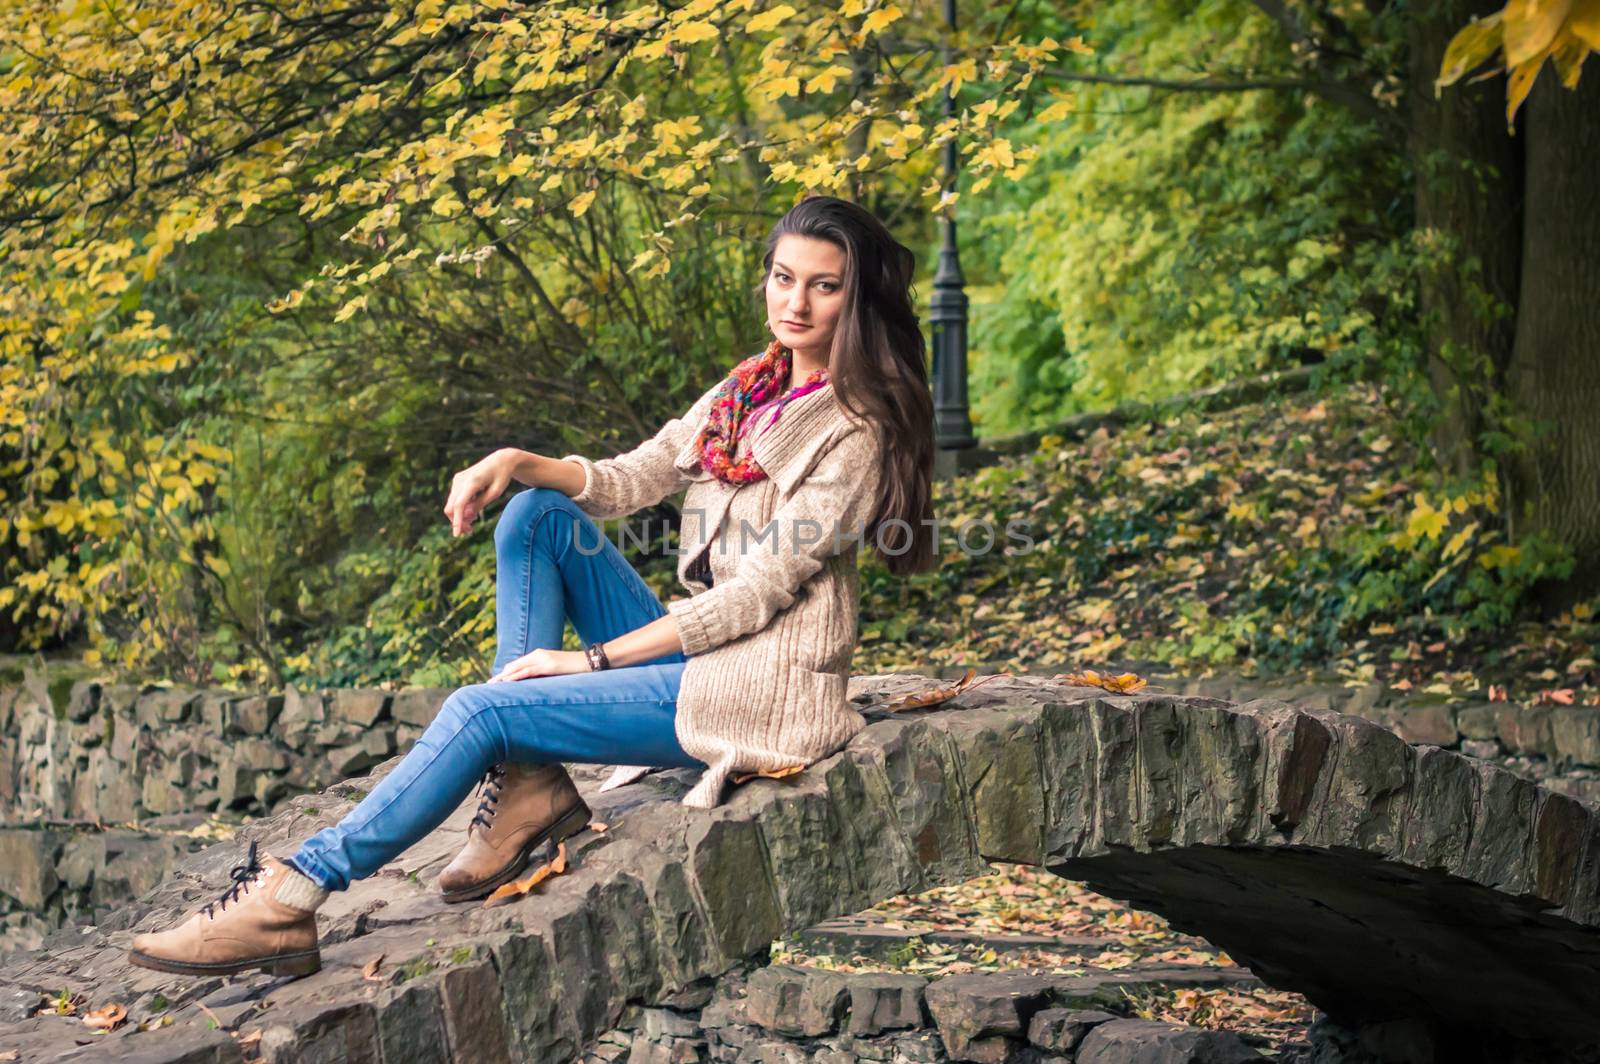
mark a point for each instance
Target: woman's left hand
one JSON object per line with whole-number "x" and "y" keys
{"x": 542, "y": 662}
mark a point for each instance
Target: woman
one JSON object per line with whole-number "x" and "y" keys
{"x": 808, "y": 449}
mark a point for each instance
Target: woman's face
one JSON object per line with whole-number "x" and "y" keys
{"x": 805, "y": 293}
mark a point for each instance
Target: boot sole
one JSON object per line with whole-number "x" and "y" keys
{"x": 303, "y": 963}
{"x": 572, "y": 822}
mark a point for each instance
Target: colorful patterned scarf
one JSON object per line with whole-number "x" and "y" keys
{"x": 748, "y": 393}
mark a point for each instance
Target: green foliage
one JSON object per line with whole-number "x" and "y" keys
{"x": 270, "y": 283}
{"x": 1171, "y": 240}
{"x": 1302, "y": 533}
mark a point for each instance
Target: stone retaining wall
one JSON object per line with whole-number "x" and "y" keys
{"x": 61, "y": 874}
{"x": 118, "y": 753}
{"x": 154, "y": 761}
{"x": 804, "y": 1014}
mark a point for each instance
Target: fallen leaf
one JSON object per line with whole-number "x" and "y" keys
{"x": 9, "y": 1055}
{"x": 248, "y": 1039}
{"x": 107, "y": 1017}
{"x": 1127, "y": 683}
{"x": 1563, "y": 697}
{"x": 769, "y": 774}
{"x": 600, "y": 827}
{"x": 370, "y": 971}
{"x": 938, "y": 694}
{"x": 509, "y": 892}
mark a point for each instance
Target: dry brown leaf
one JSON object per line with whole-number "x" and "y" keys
{"x": 248, "y": 1039}
{"x": 769, "y": 774}
{"x": 599, "y": 827}
{"x": 1562, "y": 697}
{"x": 10, "y": 1055}
{"x": 938, "y": 694}
{"x": 106, "y": 1017}
{"x": 370, "y": 971}
{"x": 509, "y": 892}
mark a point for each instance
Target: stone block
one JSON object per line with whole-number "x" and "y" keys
{"x": 983, "y": 1017}
{"x": 885, "y": 1001}
{"x": 473, "y": 1015}
{"x": 28, "y": 865}
{"x": 262, "y": 755}
{"x": 83, "y": 701}
{"x": 214, "y": 710}
{"x": 358, "y": 757}
{"x": 1063, "y": 1030}
{"x": 360, "y": 706}
{"x": 793, "y": 1000}
{"x": 730, "y": 874}
{"x": 165, "y": 705}
{"x": 412, "y": 1023}
{"x": 1477, "y": 720}
{"x": 302, "y": 710}
{"x": 1575, "y": 736}
{"x": 236, "y": 784}
{"x": 1524, "y": 729}
{"x": 1151, "y": 1042}
{"x": 336, "y": 733}
{"x": 418, "y": 705}
{"x": 344, "y": 1031}
{"x": 257, "y": 714}
{"x": 1000, "y": 753}
{"x": 1434, "y": 725}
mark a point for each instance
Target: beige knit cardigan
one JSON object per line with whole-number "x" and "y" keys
{"x": 769, "y": 642}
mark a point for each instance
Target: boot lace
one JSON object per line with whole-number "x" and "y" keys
{"x": 489, "y": 787}
{"x": 242, "y": 875}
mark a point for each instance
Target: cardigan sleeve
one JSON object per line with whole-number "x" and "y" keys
{"x": 830, "y": 506}
{"x": 616, "y": 487}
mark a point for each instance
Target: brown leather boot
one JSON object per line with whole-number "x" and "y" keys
{"x": 523, "y": 807}
{"x": 248, "y": 927}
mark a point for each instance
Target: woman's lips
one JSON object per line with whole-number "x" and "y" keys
{"x": 796, "y": 325}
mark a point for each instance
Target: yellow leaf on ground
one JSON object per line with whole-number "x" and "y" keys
{"x": 1126, "y": 683}
{"x": 510, "y": 892}
{"x": 770, "y": 774}
{"x": 107, "y": 1017}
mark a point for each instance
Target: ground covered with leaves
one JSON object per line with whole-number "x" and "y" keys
{"x": 1290, "y": 537}
{"x": 1077, "y": 931}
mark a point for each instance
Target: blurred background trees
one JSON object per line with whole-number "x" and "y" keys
{"x": 274, "y": 272}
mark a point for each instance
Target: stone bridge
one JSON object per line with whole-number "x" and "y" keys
{"x": 1384, "y": 881}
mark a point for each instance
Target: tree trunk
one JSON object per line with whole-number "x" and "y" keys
{"x": 1554, "y": 373}
{"x": 1467, "y": 187}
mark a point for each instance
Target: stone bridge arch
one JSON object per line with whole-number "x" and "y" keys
{"x": 1382, "y": 880}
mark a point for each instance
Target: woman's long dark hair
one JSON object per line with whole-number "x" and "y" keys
{"x": 878, "y": 367}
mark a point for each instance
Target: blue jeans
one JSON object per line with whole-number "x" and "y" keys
{"x": 547, "y": 571}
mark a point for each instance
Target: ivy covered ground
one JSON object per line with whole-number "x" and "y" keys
{"x": 1280, "y": 538}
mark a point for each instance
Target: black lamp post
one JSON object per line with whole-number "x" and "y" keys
{"x": 952, "y": 428}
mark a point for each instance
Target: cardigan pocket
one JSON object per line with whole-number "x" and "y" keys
{"x": 816, "y": 690}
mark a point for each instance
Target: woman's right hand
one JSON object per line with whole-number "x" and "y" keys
{"x": 474, "y": 488}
